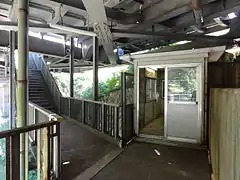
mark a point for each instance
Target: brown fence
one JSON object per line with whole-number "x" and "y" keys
{"x": 224, "y": 75}
{"x": 224, "y": 133}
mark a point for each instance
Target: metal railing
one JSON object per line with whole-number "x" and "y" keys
{"x": 103, "y": 117}
{"x": 42, "y": 140}
{"x": 49, "y": 80}
{"x": 48, "y": 150}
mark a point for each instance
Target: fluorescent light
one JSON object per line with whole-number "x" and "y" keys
{"x": 140, "y": 52}
{"x": 182, "y": 42}
{"x": 233, "y": 50}
{"x": 79, "y": 45}
{"x": 232, "y": 15}
{"x": 237, "y": 39}
{"x": 34, "y": 34}
{"x": 219, "y": 33}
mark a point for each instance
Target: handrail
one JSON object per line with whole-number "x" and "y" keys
{"x": 96, "y": 102}
{"x": 45, "y": 112}
{"x": 41, "y": 68}
{"x": 52, "y": 78}
{"x": 20, "y": 130}
{"x": 48, "y": 161}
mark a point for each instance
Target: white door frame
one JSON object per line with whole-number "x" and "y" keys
{"x": 175, "y": 62}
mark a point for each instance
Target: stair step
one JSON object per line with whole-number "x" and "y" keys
{"x": 38, "y": 97}
{"x": 36, "y": 84}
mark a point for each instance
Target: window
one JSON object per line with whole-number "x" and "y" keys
{"x": 182, "y": 84}
{"x": 150, "y": 89}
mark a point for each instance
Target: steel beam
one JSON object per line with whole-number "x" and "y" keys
{"x": 95, "y": 68}
{"x": 163, "y": 10}
{"x": 168, "y": 36}
{"x": 210, "y": 11}
{"x": 112, "y": 13}
{"x": 97, "y": 16}
{"x": 71, "y": 68}
{"x": 40, "y": 46}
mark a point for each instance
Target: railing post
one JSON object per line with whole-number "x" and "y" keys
{"x": 69, "y": 107}
{"x": 45, "y": 152}
{"x": 15, "y": 157}
{"x": 58, "y": 151}
{"x": 103, "y": 118}
{"x": 115, "y": 122}
{"x": 35, "y": 122}
{"x": 59, "y": 110}
{"x": 123, "y": 103}
{"x": 83, "y": 111}
{"x": 39, "y": 157}
{"x": 8, "y": 159}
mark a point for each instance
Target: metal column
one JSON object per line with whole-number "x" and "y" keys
{"x": 22, "y": 87}
{"x": 95, "y": 68}
{"x": 71, "y": 68}
{"x": 12, "y": 79}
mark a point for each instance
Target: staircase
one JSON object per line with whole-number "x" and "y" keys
{"x": 38, "y": 91}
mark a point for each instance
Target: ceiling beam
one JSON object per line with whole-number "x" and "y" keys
{"x": 40, "y": 46}
{"x": 168, "y": 36}
{"x": 210, "y": 11}
{"x": 122, "y": 17}
{"x": 166, "y": 9}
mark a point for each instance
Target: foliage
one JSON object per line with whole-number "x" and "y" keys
{"x": 85, "y": 91}
{"x": 104, "y": 88}
{"x": 182, "y": 80}
{"x": 3, "y": 126}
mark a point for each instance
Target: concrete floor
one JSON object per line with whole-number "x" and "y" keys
{"x": 140, "y": 162}
{"x": 81, "y": 148}
{"x": 155, "y": 127}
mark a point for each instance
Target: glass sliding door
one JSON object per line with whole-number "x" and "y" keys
{"x": 182, "y": 102}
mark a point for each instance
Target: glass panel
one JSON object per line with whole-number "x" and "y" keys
{"x": 4, "y": 120}
{"x": 150, "y": 89}
{"x": 182, "y": 84}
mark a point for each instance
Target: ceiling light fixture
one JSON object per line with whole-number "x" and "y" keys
{"x": 232, "y": 15}
{"x": 219, "y": 33}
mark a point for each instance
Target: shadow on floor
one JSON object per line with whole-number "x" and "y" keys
{"x": 155, "y": 127}
{"x": 140, "y": 161}
{"x": 81, "y": 148}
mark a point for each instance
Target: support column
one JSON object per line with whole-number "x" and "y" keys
{"x": 95, "y": 68}
{"x": 12, "y": 79}
{"x": 22, "y": 87}
{"x": 142, "y": 97}
{"x": 71, "y": 68}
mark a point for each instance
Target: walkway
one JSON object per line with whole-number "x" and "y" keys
{"x": 142, "y": 161}
{"x": 80, "y": 149}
